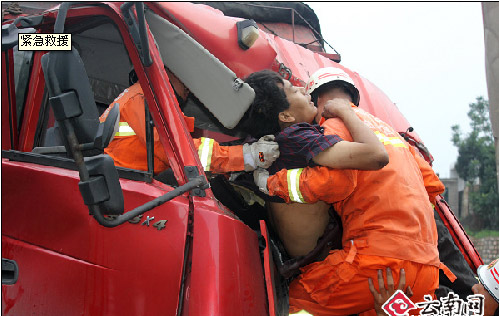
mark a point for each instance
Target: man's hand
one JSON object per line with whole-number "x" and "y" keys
{"x": 490, "y": 305}
{"x": 260, "y": 177}
{"x": 261, "y": 153}
{"x": 337, "y": 108}
{"x": 384, "y": 295}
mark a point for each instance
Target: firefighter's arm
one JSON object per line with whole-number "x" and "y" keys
{"x": 219, "y": 159}
{"x": 432, "y": 183}
{"x": 312, "y": 184}
{"x": 247, "y": 157}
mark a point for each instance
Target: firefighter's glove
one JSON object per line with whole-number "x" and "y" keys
{"x": 260, "y": 176}
{"x": 261, "y": 153}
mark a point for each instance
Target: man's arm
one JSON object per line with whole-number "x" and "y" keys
{"x": 491, "y": 307}
{"x": 366, "y": 152}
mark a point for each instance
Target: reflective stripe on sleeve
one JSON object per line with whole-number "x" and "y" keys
{"x": 294, "y": 185}
{"x": 394, "y": 141}
{"x": 205, "y": 151}
{"x": 125, "y": 130}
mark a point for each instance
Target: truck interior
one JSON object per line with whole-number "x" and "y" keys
{"x": 108, "y": 67}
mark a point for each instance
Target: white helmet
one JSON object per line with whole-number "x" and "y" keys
{"x": 489, "y": 277}
{"x": 329, "y": 74}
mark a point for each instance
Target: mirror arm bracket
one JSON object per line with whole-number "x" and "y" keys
{"x": 192, "y": 172}
{"x": 197, "y": 182}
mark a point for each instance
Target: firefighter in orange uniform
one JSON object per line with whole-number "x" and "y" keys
{"x": 128, "y": 148}
{"x": 387, "y": 215}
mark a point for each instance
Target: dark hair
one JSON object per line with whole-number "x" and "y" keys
{"x": 328, "y": 86}
{"x": 262, "y": 117}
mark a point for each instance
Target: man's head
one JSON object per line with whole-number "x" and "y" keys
{"x": 277, "y": 104}
{"x": 180, "y": 90}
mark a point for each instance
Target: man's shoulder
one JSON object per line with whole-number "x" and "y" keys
{"x": 375, "y": 123}
{"x": 130, "y": 92}
{"x": 300, "y": 129}
{"x": 303, "y": 126}
{"x": 334, "y": 124}
{"x": 135, "y": 89}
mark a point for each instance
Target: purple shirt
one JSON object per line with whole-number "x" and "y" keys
{"x": 298, "y": 144}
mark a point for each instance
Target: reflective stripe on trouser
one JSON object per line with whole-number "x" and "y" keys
{"x": 125, "y": 130}
{"x": 205, "y": 151}
{"x": 294, "y": 185}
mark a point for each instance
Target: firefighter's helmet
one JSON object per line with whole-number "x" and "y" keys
{"x": 329, "y": 74}
{"x": 489, "y": 277}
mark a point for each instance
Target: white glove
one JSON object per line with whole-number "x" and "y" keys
{"x": 261, "y": 153}
{"x": 260, "y": 176}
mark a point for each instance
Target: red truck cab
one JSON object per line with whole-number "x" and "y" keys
{"x": 68, "y": 264}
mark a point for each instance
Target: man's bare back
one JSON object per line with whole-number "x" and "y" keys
{"x": 299, "y": 226}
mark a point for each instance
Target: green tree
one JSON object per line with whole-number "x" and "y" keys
{"x": 476, "y": 164}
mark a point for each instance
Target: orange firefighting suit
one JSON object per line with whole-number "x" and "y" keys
{"x": 128, "y": 148}
{"x": 387, "y": 221}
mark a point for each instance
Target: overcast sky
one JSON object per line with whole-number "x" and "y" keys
{"x": 427, "y": 57}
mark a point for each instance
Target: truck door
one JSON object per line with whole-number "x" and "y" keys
{"x": 16, "y": 65}
{"x": 68, "y": 263}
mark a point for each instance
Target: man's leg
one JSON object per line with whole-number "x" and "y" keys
{"x": 336, "y": 287}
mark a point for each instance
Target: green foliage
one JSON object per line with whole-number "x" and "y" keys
{"x": 476, "y": 164}
{"x": 482, "y": 233}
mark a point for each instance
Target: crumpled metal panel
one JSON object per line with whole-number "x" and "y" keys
{"x": 218, "y": 34}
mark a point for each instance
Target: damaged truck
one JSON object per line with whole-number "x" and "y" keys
{"x": 81, "y": 236}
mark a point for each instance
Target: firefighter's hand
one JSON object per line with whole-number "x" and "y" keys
{"x": 261, "y": 153}
{"x": 337, "y": 108}
{"x": 260, "y": 177}
{"x": 386, "y": 292}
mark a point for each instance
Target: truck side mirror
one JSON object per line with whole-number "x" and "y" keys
{"x": 103, "y": 186}
{"x": 73, "y": 103}
{"x": 72, "y": 99}
{"x": 71, "y": 96}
